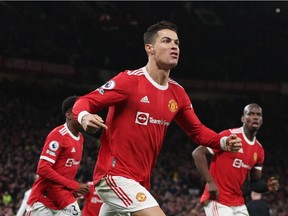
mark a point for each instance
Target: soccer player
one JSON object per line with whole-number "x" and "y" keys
{"x": 92, "y": 203}
{"x": 55, "y": 190}
{"x": 228, "y": 171}
{"x": 142, "y": 103}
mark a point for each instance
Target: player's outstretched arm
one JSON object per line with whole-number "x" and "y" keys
{"x": 232, "y": 143}
{"x": 92, "y": 123}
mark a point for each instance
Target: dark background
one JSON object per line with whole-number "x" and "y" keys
{"x": 225, "y": 40}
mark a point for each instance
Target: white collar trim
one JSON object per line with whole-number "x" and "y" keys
{"x": 161, "y": 87}
{"x": 246, "y": 139}
{"x": 71, "y": 134}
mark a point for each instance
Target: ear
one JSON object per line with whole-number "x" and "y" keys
{"x": 242, "y": 119}
{"x": 68, "y": 115}
{"x": 149, "y": 49}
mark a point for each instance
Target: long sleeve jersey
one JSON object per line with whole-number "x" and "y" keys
{"x": 140, "y": 111}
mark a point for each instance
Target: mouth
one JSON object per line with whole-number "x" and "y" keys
{"x": 255, "y": 124}
{"x": 174, "y": 55}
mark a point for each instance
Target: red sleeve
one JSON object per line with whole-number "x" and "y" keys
{"x": 199, "y": 133}
{"x": 112, "y": 92}
{"x": 49, "y": 155}
{"x": 45, "y": 169}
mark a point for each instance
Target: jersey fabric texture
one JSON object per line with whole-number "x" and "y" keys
{"x": 92, "y": 203}
{"x": 57, "y": 168}
{"x": 140, "y": 111}
{"x": 229, "y": 170}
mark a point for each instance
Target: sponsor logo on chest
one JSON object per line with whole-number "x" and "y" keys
{"x": 238, "y": 163}
{"x": 71, "y": 162}
{"x": 143, "y": 118}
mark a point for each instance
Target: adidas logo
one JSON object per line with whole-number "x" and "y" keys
{"x": 145, "y": 100}
{"x": 73, "y": 150}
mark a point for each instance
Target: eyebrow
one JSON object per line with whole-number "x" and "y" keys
{"x": 165, "y": 37}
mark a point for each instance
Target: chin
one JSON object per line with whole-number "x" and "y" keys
{"x": 172, "y": 65}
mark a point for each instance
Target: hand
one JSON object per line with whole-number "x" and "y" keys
{"x": 82, "y": 189}
{"x": 233, "y": 143}
{"x": 212, "y": 190}
{"x": 91, "y": 123}
{"x": 273, "y": 184}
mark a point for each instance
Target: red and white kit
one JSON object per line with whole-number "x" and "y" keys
{"x": 143, "y": 113}
{"x": 59, "y": 162}
{"x": 229, "y": 170}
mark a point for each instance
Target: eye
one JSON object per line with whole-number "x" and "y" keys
{"x": 167, "y": 40}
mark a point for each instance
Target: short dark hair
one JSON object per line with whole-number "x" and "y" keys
{"x": 152, "y": 30}
{"x": 68, "y": 103}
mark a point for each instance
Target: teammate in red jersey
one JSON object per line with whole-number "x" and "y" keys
{"x": 228, "y": 171}
{"x": 52, "y": 192}
{"x": 92, "y": 203}
{"x": 142, "y": 104}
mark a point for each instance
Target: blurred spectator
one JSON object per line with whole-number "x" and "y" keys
{"x": 7, "y": 198}
{"x": 257, "y": 206}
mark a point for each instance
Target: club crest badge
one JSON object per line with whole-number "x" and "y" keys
{"x": 172, "y": 105}
{"x": 255, "y": 156}
{"x": 141, "y": 197}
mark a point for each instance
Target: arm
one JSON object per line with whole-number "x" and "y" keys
{"x": 199, "y": 133}
{"x": 45, "y": 170}
{"x": 200, "y": 159}
{"x": 257, "y": 184}
{"x": 86, "y": 107}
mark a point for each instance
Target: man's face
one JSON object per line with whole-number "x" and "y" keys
{"x": 166, "y": 49}
{"x": 253, "y": 118}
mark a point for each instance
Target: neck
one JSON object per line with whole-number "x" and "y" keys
{"x": 160, "y": 76}
{"x": 72, "y": 129}
{"x": 249, "y": 134}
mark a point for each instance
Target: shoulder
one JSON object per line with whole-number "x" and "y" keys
{"x": 130, "y": 74}
{"x": 175, "y": 84}
{"x": 123, "y": 77}
{"x": 235, "y": 130}
{"x": 135, "y": 73}
{"x": 56, "y": 136}
{"x": 58, "y": 132}
{"x": 258, "y": 143}
{"x": 229, "y": 131}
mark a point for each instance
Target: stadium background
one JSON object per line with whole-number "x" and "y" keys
{"x": 232, "y": 53}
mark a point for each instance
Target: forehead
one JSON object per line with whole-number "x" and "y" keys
{"x": 167, "y": 33}
{"x": 254, "y": 109}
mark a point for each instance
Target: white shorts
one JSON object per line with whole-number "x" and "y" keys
{"x": 214, "y": 208}
{"x": 39, "y": 209}
{"x": 121, "y": 196}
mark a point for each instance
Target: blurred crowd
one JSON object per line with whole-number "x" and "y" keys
{"x": 30, "y": 111}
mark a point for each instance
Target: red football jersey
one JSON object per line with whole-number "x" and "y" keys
{"x": 229, "y": 170}
{"x": 57, "y": 168}
{"x": 92, "y": 203}
{"x": 140, "y": 111}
